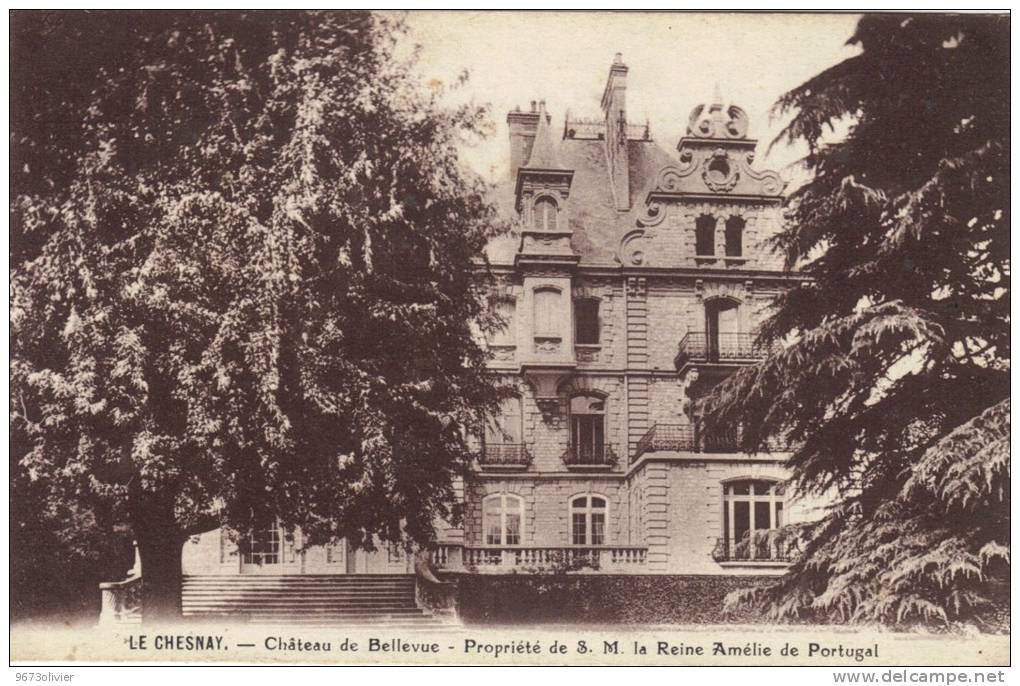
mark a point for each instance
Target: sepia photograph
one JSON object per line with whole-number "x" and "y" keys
{"x": 505, "y": 338}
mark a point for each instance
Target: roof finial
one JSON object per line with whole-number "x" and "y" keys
{"x": 717, "y": 95}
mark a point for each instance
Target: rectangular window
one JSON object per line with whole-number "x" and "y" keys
{"x": 513, "y": 528}
{"x": 704, "y": 236}
{"x": 734, "y": 237}
{"x": 263, "y": 547}
{"x": 589, "y": 435}
{"x": 505, "y": 335}
{"x": 741, "y": 520}
{"x": 578, "y": 530}
{"x": 598, "y": 528}
{"x": 547, "y": 324}
{"x": 505, "y": 427}
{"x": 493, "y": 532}
{"x": 586, "y": 321}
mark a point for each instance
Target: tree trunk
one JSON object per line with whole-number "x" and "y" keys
{"x": 160, "y": 545}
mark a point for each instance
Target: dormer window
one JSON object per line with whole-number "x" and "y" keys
{"x": 735, "y": 237}
{"x": 704, "y": 236}
{"x": 545, "y": 214}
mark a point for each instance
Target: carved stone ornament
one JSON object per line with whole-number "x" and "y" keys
{"x": 719, "y": 173}
{"x": 547, "y": 345}
{"x": 632, "y": 248}
{"x": 652, "y": 215}
{"x": 503, "y": 353}
{"x": 637, "y": 287}
{"x": 717, "y": 121}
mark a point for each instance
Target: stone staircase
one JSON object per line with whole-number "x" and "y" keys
{"x": 317, "y": 600}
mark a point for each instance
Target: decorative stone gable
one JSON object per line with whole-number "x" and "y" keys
{"x": 716, "y": 159}
{"x": 707, "y": 167}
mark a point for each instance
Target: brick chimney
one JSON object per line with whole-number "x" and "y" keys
{"x": 522, "y": 136}
{"x": 614, "y": 108}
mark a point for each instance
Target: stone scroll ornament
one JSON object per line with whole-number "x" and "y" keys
{"x": 632, "y": 247}
{"x": 715, "y": 121}
{"x": 771, "y": 182}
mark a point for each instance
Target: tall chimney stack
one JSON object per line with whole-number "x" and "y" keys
{"x": 614, "y": 108}
{"x": 522, "y": 136}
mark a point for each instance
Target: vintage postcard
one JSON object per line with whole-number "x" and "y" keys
{"x": 510, "y": 338}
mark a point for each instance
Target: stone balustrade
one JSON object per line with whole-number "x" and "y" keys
{"x": 121, "y": 600}
{"x": 612, "y": 559}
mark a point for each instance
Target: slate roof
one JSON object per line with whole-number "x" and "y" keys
{"x": 597, "y": 225}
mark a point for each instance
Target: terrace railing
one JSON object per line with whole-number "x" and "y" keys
{"x": 504, "y": 456}
{"x": 694, "y": 439}
{"x": 699, "y": 346}
{"x": 764, "y": 546}
{"x": 590, "y": 457}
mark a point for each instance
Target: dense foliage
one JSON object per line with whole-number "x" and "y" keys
{"x": 242, "y": 278}
{"x": 890, "y": 369}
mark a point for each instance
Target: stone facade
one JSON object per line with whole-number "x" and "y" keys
{"x": 627, "y": 236}
{"x": 632, "y": 281}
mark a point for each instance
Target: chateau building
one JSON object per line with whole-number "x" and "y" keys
{"x": 631, "y": 284}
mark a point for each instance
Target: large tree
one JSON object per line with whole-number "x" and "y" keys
{"x": 243, "y": 278}
{"x": 890, "y": 362}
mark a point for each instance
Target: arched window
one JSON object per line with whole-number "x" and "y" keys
{"x": 704, "y": 236}
{"x": 588, "y": 428}
{"x": 735, "y": 237}
{"x": 751, "y": 506}
{"x": 545, "y": 214}
{"x": 547, "y": 313}
{"x": 505, "y": 427}
{"x": 588, "y": 515}
{"x": 506, "y": 310}
{"x": 502, "y": 516}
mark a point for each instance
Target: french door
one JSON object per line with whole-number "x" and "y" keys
{"x": 270, "y": 550}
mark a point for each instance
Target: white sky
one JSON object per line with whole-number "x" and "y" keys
{"x": 675, "y": 60}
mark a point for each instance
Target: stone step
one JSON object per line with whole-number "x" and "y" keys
{"x": 307, "y": 580}
{"x": 267, "y": 593}
{"x": 431, "y": 622}
{"x": 321, "y": 611}
{"x": 284, "y": 605}
{"x": 204, "y": 588}
{"x": 306, "y": 600}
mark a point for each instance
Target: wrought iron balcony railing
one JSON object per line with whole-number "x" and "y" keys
{"x": 505, "y": 456}
{"x": 698, "y": 346}
{"x": 590, "y": 457}
{"x": 693, "y": 438}
{"x": 764, "y": 546}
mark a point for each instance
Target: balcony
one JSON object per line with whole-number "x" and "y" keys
{"x": 590, "y": 458}
{"x": 764, "y": 547}
{"x": 504, "y": 457}
{"x": 692, "y": 438}
{"x": 494, "y": 559}
{"x": 721, "y": 348}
